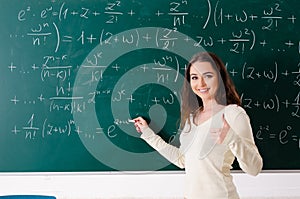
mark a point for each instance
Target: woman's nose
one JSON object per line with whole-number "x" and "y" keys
{"x": 202, "y": 81}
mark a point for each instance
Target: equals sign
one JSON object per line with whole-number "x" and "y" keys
{"x": 295, "y": 138}
{"x": 99, "y": 130}
{"x": 272, "y": 135}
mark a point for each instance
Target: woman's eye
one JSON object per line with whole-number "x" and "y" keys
{"x": 194, "y": 77}
{"x": 208, "y": 76}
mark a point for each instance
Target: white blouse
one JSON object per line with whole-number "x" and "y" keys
{"x": 207, "y": 164}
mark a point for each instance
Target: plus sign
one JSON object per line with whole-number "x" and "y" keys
{"x": 289, "y": 44}
{"x": 131, "y": 13}
{"x": 41, "y": 98}
{"x": 222, "y": 41}
{"x": 228, "y": 16}
{"x": 78, "y": 131}
{"x": 233, "y": 72}
{"x": 285, "y": 73}
{"x": 131, "y": 99}
{"x": 144, "y": 67}
{"x": 184, "y": 68}
{"x": 55, "y": 129}
{"x": 286, "y": 103}
{"x": 116, "y": 67}
{"x": 252, "y": 17}
{"x": 147, "y": 38}
{"x": 263, "y": 43}
{"x": 257, "y": 104}
{"x": 74, "y": 13}
{"x": 258, "y": 74}
{"x": 159, "y": 13}
{"x": 292, "y": 18}
{"x": 187, "y": 39}
{"x": 14, "y": 100}
{"x": 15, "y": 130}
{"x": 12, "y": 67}
{"x": 116, "y": 39}
{"x": 155, "y": 100}
{"x": 34, "y": 67}
{"x": 91, "y": 38}
{"x": 96, "y": 13}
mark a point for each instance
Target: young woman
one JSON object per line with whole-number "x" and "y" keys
{"x": 215, "y": 130}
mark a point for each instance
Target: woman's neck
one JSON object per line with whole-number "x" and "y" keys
{"x": 211, "y": 106}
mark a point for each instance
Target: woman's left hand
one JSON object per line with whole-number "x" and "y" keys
{"x": 220, "y": 133}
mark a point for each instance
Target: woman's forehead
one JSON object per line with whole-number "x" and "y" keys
{"x": 201, "y": 67}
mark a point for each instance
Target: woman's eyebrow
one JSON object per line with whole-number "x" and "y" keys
{"x": 205, "y": 73}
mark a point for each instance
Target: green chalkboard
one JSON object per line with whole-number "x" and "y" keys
{"x": 73, "y": 72}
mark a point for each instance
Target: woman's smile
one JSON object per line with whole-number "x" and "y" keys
{"x": 204, "y": 80}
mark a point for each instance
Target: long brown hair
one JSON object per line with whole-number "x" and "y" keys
{"x": 226, "y": 92}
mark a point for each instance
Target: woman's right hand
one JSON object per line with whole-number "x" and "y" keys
{"x": 140, "y": 124}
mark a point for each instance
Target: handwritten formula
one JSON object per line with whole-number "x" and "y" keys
{"x": 82, "y": 69}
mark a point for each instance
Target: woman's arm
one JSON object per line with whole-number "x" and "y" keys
{"x": 170, "y": 152}
{"x": 241, "y": 142}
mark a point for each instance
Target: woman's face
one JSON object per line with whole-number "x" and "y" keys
{"x": 204, "y": 80}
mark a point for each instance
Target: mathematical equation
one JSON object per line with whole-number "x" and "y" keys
{"x": 274, "y": 104}
{"x": 238, "y": 41}
{"x": 283, "y": 136}
{"x": 57, "y": 33}
{"x": 179, "y": 10}
{"x": 271, "y": 16}
{"x": 32, "y": 132}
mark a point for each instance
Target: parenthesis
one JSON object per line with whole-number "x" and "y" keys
{"x": 60, "y": 11}
{"x": 277, "y": 101}
{"x": 42, "y": 78}
{"x": 69, "y": 125}
{"x": 101, "y": 37}
{"x": 243, "y": 71}
{"x": 209, "y": 13}
{"x": 58, "y": 37}
{"x": 177, "y": 72}
{"x": 156, "y": 38}
{"x": 215, "y": 14}
{"x": 254, "y": 39}
{"x": 242, "y": 96}
{"x": 43, "y": 130}
{"x": 138, "y": 38}
{"x": 52, "y": 102}
{"x": 276, "y": 72}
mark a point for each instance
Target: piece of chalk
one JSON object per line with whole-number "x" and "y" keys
{"x": 131, "y": 120}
